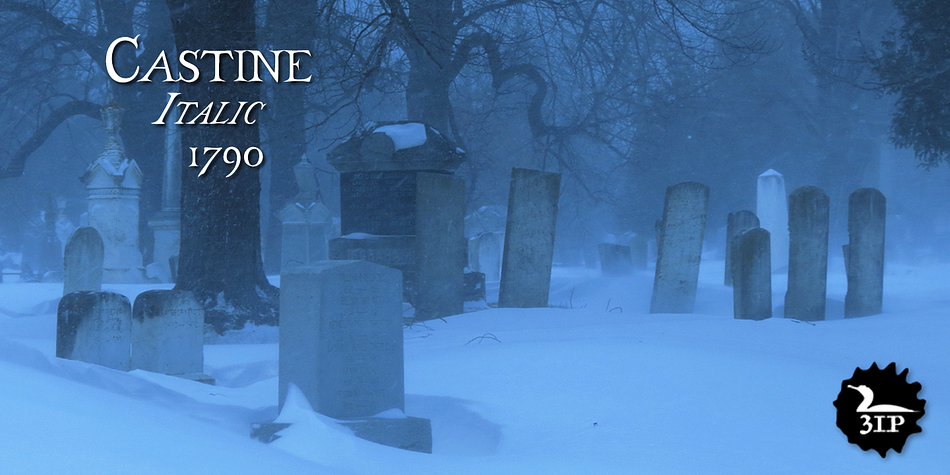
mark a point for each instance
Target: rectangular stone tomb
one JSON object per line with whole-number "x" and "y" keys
{"x": 378, "y": 202}
{"x": 95, "y": 327}
{"x": 341, "y": 337}
{"x": 168, "y": 332}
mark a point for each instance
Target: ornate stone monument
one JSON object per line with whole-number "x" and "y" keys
{"x": 113, "y": 183}
{"x": 389, "y": 175}
{"x": 305, "y": 220}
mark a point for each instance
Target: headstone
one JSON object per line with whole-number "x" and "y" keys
{"x": 529, "y": 239}
{"x": 807, "y": 254}
{"x": 639, "y": 248}
{"x": 736, "y": 223}
{"x": 484, "y": 254}
{"x": 113, "y": 183}
{"x": 615, "y": 260}
{"x": 866, "y": 222}
{"x": 95, "y": 327}
{"x": 440, "y": 245}
{"x": 83, "y": 261}
{"x": 341, "y": 337}
{"x": 168, "y": 332}
{"x": 751, "y": 275}
{"x": 680, "y": 248}
{"x": 771, "y": 206}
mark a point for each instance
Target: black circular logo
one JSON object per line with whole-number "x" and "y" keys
{"x": 878, "y": 409}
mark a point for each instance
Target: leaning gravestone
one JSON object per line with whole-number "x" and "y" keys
{"x": 680, "y": 248}
{"x": 168, "y": 332}
{"x": 95, "y": 327}
{"x": 751, "y": 275}
{"x": 341, "y": 343}
{"x": 736, "y": 223}
{"x": 615, "y": 260}
{"x": 529, "y": 239}
{"x": 771, "y": 206}
{"x": 83, "y": 260}
{"x": 866, "y": 221}
{"x": 808, "y": 254}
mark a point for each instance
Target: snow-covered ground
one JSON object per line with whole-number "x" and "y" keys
{"x": 592, "y": 385}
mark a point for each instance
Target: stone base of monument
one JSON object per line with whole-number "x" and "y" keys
{"x": 199, "y": 377}
{"x": 410, "y": 433}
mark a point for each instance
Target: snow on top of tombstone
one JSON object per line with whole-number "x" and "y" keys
{"x": 359, "y": 236}
{"x": 405, "y": 136}
{"x": 771, "y": 172}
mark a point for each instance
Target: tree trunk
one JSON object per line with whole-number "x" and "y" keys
{"x": 220, "y": 256}
{"x": 429, "y": 47}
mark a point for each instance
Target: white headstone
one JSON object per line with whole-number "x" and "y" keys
{"x": 83, "y": 261}
{"x": 771, "y": 206}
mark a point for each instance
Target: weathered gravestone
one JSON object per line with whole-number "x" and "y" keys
{"x": 639, "y": 249}
{"x": 615, "y": 260}
{"x": 401, "y": 207}
{"x": 736, "y": 223}
{"x": 529, "y": 238}
{"x": 751, "y": 275}
{"x": 865, "y": 262}
{"x": 807, "y": 254}
{"x": 95, "y": 327}
{"x": 168, "y": 332}
{"x": 305, "y": 220}
{"x": 771, "y": 206}
{"x": 83, "y": 261}
{"x": 341, "y": 343}
{"x": 680, "y": 248}
{"x": 484, "y": 254}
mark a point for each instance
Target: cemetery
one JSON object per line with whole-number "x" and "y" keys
{"x": 461, "y": 249}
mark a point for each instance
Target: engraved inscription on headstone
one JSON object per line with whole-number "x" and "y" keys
{"x": 341, "y": 337}
{"x": 94, "y": 327}
{"x": 168, "y": 332}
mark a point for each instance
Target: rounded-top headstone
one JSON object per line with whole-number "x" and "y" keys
{"x": 83, "y": 261}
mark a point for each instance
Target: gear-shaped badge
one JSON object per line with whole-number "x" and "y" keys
{"x": 878, "y": 409}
